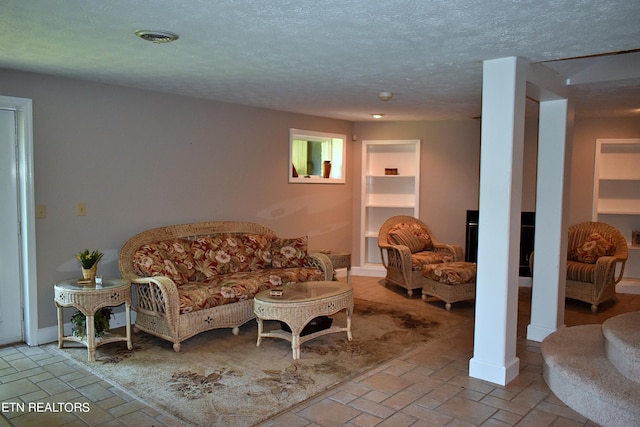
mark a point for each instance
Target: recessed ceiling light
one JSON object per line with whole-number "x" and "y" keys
{"x": 385, "y": 96}
{"x": 377, "y": 116}
{"x": 157, "y": 37}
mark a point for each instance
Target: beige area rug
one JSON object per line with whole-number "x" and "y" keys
{"x": 222, "y": 379}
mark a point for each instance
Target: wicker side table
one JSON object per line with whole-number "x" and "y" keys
{"x": 339, "y": 260}
{"x": 298, "y": 305}
{"x": 89, "y": 299}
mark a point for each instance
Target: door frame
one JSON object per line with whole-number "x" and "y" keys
{"x": 24, "y": 117}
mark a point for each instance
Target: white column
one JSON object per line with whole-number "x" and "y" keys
{"x": 503, "y": 103}
{"x": 550, "y": 260}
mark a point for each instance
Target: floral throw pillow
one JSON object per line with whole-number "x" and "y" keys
{"x": 219, "y": 254}
{"x": 286, "y": 253}
{"x": 593, "y": 248}
{"x": 258, "y": 248}
{"x": 413, "y": 236}
{"x": 171, "y": 258}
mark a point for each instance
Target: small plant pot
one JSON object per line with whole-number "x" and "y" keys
{"x": 90, "y": 273}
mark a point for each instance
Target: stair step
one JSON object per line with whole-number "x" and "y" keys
{"x": 578, "y": 372}
{"x": 622, "y": 343}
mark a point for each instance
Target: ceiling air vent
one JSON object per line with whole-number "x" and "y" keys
{"x": 156, "y": 37}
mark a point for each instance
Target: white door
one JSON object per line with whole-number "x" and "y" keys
{"x": 10, "y": 282}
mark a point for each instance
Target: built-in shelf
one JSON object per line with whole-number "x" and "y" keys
{"x": 385, "y": 195}
{"x": 616, "y": 198}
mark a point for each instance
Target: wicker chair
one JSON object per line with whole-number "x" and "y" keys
{"x": 404, "y": 266}
{"x": 593, "y": 283}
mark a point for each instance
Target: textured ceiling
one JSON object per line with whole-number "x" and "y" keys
{"x": 329, "y": 58}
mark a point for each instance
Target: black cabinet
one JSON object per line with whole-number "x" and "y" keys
{"x": 527, "y": 234}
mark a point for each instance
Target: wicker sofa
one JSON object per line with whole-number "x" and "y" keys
{"x": 191, "y": 278}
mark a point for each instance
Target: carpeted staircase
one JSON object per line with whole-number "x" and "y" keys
{"x": 595, "y": 369}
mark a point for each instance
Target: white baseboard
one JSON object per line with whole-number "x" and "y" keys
{"x": 369, "y": 271}
{"x": 628, "y": 286}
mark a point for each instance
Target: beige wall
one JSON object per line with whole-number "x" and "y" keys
{"x": 140, "y": 159}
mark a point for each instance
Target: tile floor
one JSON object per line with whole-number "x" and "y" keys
{"x": 428, "y": 386}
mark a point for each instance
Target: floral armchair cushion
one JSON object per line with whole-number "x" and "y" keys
{"x": 219, "y": 254}
{"x": 593, "y": 248}
{"x": 581, "y": 272}
{"x": 412, "y": 236}
{"x": 286, "y": 253}
{"x": 420, "y": 259}
{"x": 171, "y": 258}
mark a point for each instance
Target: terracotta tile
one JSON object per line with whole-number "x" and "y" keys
{"x": 372, "y": 408}
{"x": 507, "y": 417}
{"x": 387, "y": 383}
{"x": 401, "y": 399}
{"x": 365, "y": 420}
{"x": 328, "y": 412}
{"x": 427, "y": 416}
{"x": 467, "y": 410}
{"x": 398, "y": 420}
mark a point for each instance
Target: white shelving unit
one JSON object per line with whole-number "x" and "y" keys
{"x": 384, "y": 196}
{"x": 616, "y": 198}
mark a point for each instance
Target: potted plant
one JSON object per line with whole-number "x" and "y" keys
{"x": 100, "y": 321}
{"x": 89, "y": 262}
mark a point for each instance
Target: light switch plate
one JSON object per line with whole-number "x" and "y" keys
{"x": 41, "y": 211}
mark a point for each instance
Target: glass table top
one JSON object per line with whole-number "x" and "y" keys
{"x": 107, "y": 283}
{"x": 303, "y": 292}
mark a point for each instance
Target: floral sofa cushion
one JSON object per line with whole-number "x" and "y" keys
{"x": 420, "y": 259}
{"x": 219, "y": 254}
{"x": 414, "y": 236}
{"x": 234, "y": 287}
{"x": 452, "y": 273}
{"x": 287, "y": 253}
{"x": 171, "y": 258}
{"x": 592, "y": 248}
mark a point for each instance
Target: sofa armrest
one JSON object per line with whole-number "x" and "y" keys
{"x": 157, "y": 296}
{"x": 322, "y": 262}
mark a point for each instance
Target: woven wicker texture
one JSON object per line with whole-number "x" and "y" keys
{"x": 157, "y": 306}
{"x": 594, "y": 283}
{"x": 603, "y": 286}
{"x": 397, "y": 258}
{"x": 88, "y": 300}
{"x": 297, "y": 313}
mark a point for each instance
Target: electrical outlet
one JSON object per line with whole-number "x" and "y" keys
{"x": 41, "y": 211}
{"x": 82, "y": 209}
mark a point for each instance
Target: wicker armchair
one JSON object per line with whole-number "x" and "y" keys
{"x": 593, "y": 281}
{"x": 403, "y": 262}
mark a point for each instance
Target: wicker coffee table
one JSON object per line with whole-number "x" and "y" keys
{"x": 298, "y": 305}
